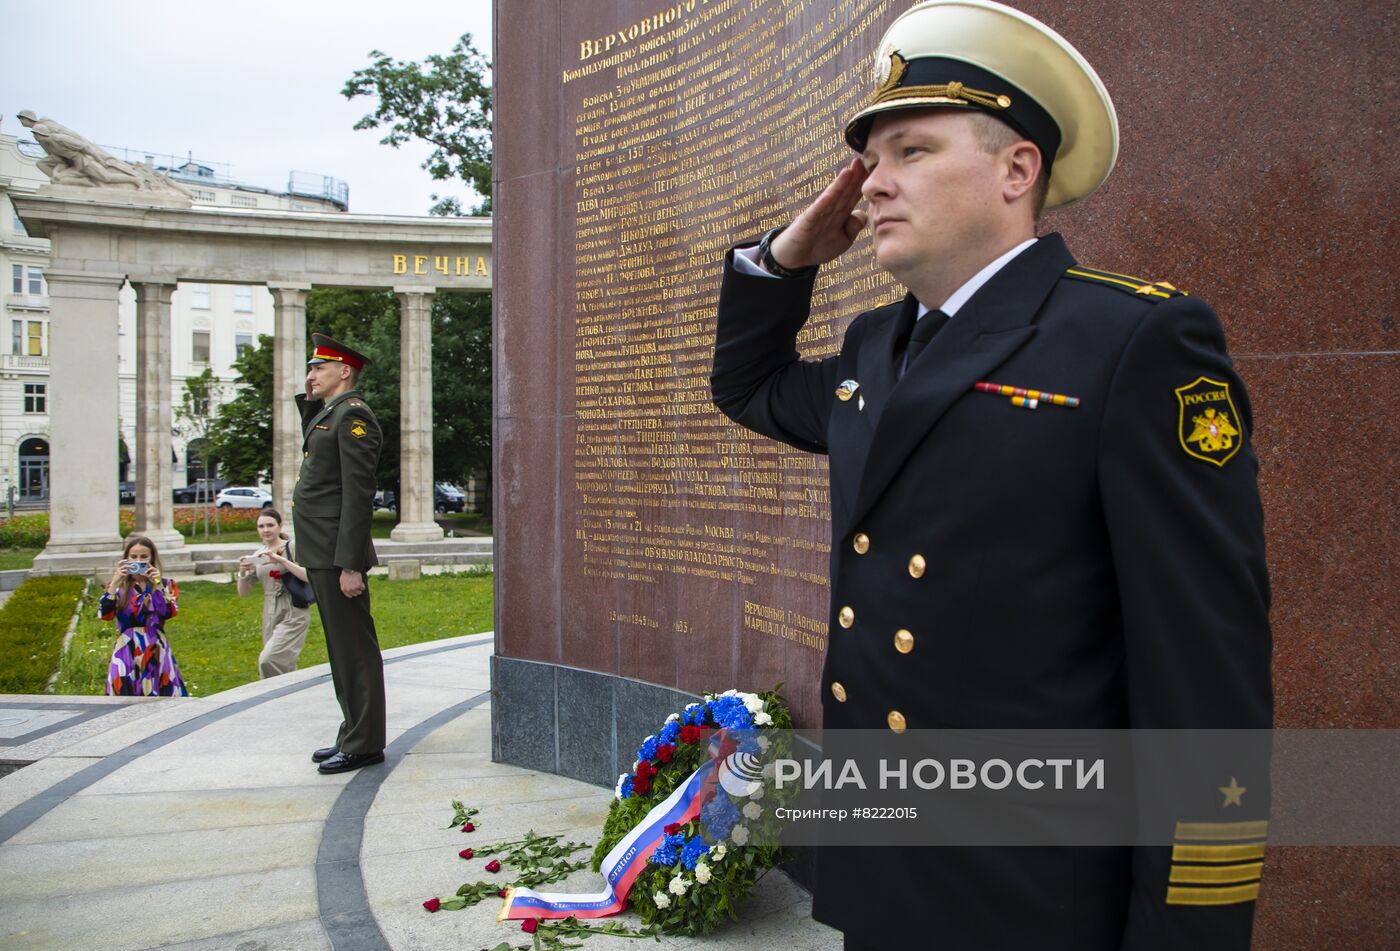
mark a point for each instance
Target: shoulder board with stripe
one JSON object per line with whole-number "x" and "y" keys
{"x": 1151, "y": 290}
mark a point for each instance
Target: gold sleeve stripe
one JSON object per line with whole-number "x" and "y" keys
{"x": 1222, "y": 830}
{"x": 1212, "y": 896}
{"x": 1216, "y": 875}
{"x": 1217, "y": 853}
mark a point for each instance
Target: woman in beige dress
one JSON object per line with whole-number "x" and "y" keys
{"x": 283, "y": 624}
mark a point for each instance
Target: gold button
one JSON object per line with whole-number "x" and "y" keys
{"x": 896, "y": 721}
{"x": 861, "y": 543}
{"x": 917, "y": 566}
{"x": 903, "y": 641}
{"x": 838, "y": 691}
{"x": 847, "y": 617}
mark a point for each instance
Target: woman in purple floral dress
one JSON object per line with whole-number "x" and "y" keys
{"x": 141, "y": 601}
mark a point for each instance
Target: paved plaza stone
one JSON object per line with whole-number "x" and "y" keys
{"x": 202, "y": 824}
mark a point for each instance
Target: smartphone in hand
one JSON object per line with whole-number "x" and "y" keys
{"x": 137, "y": 567}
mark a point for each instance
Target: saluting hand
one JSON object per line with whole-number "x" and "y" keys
{"x": 828, "y": 226}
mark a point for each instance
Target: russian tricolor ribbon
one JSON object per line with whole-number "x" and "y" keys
{"x": 628, "y": 859}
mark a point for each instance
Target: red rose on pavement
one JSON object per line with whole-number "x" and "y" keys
{"x": 673, "y": 828}
{"x": 664, "y": 753}
{"x": 465, "y": 853}
{"x": 432, "y": 904}
{"x": 493, "y": 866}
{"x": 468, "y": 827}
{"x": 641, "y": 785}
{"x": 502, "y": 893}
{"x": 529, "y": 925}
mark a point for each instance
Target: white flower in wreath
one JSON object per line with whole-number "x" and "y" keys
{"x": 731, "y": 692}
{"x": 764, "y": 743}
{"x": 673, "y": 718}
{"x": 757, "y": 793}
{"x": 661, "y": 899}
{"x": 702, "y": 874}
{"x": 678, "y": 886}
{"x": 695, "y": 706}
{"x": 740, "y": 835}
{"x": 769, "y": 771}
{"x": 719, "y": 851}
{"x": 752, "y": 811}
{"x": 753, "y": 703}
{"x": 761, "y": 718}
{"x": 617, "y": 790}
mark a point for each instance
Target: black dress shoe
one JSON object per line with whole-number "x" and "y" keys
{"x": 343, "y": 762}
{"x": 323, "y": 754}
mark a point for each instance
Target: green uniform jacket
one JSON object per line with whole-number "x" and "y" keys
{"x": 333, "y": 504}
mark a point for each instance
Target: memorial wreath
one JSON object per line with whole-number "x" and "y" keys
{"x": 682, "y": 839}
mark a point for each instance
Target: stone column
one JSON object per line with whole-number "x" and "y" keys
{"x": 83, "y": 419}
{"x": 415, "y": 418}
{"x": 155, "y": 479}
{"x": 289, "y": 357}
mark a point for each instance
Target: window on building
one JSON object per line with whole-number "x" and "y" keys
{"x": 16, "y": 278}
{"x": 244, "y": 201}
{"x": 19, "y": 227}
{"x": 35, "y": 337}
{"x": 243, "y": 299}
{"x": 202, "y": 194}
{"x": 242, "y": 343}
{"x": 36, "y": 398}
{"x": 36, "y": 282}
{"x": 201, "y": 347}
{"x": 16, "y": 336}
{"x": 199, "y": 296}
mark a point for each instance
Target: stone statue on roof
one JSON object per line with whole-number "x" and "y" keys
{"x": 72, "y": 159}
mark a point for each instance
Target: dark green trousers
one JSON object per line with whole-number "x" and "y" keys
{"x": 357, "y": 667}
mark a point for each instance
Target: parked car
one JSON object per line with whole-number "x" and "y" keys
{"x": 243, "y": 497}
{"x": 384, "y": 499}
{"x": 189, "y": 494}
{"x": 126, "y": 493}
{"x": 448, "y": 498}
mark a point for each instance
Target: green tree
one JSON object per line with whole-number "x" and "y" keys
{"x": 195, "y": 413}
{"x": 240, "y": 435}
{"x": 367, "y": 321}
{"x": 444, "y": 101}
{"x": 461, "y": 387}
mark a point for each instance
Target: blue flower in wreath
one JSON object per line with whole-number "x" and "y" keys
{"x": 668, "y": 853}
{"x": 647, "y": 751}
{"x": 694, "y": 851}
{"x": 626, "y": 788}
{"x": 669, "y": 733}
{"x": 694, "y": 714}
{"x": 719, "y": 816}
{"x": 730, "y": 713}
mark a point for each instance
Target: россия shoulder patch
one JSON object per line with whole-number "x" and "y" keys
{"x": 1151, "y": 290}
{"x": 1209, "y": 426}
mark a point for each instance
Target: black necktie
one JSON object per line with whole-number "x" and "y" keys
{"x": 922, "y": 333}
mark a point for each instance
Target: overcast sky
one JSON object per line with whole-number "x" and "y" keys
{"x": 254, "y": 84}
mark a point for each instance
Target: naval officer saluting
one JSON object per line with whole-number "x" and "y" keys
{"x": 1044, "y": 507}
{"x": 332, "y": 511}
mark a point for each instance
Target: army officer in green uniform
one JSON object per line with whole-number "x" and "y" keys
{"x": 332, "y": 511}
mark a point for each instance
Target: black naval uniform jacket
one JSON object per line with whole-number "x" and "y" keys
{"x": 1098, "y": 567}
{"x": 333, "y": 503}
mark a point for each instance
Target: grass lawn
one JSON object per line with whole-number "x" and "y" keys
{"x": 17, "y": 557}
{"x": 216, "y": 636}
